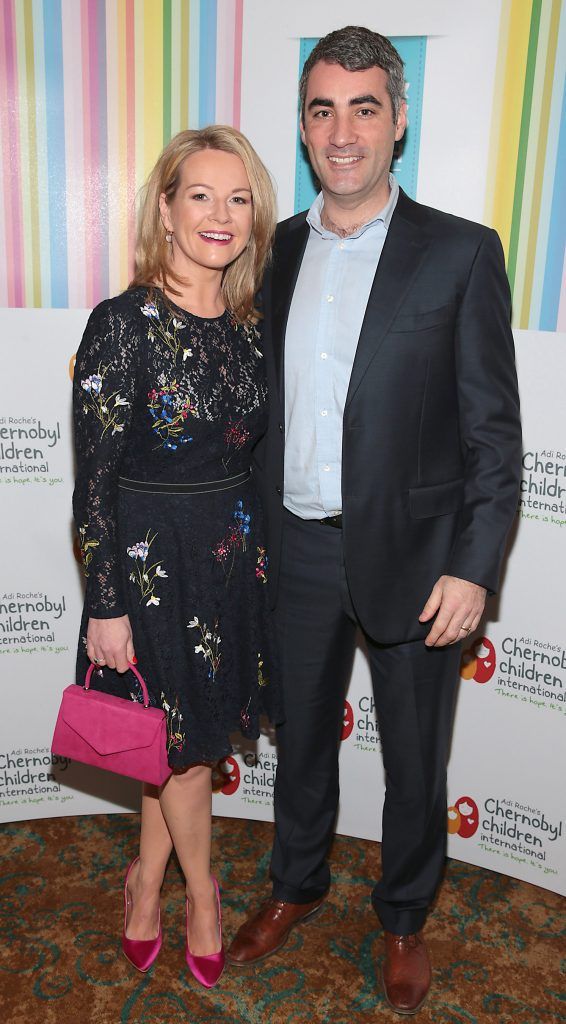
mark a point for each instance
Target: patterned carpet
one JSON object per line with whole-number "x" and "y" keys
{"x": 495, "y": 942}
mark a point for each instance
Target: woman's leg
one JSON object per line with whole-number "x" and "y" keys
{"x": 186, "y": 803}
{"x": 146, "y": 878}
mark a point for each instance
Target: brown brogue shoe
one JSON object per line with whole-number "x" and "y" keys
{"x": 406, "y": 972}
{"x": 268, "y": 930}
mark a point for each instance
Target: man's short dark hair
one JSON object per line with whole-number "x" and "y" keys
{"x": 357, "y": 49}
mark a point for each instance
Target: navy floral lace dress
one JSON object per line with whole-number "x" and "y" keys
{"x": 167, "y": 408}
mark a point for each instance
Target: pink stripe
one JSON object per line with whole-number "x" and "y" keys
{"x": 95, "y": 192}
{"x": 88, "y": 211}
{"x": 131, "y": 132}
{"x": 237, "y": 88}
{"x": 12, "y": 161}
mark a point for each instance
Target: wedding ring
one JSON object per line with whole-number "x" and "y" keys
{"x": 96, "y": 661}
{"x": 466, "y": 629}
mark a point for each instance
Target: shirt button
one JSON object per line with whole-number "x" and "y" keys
{"x": 323, "y": 355}
{"x": 326, "y": 469}
{"x": 280, "y": 428}
{"x": 324, "y": 412}
{"x": 341, "y": 245}
{"x": 330, "y": 298}
{"x": 278, "y": 489}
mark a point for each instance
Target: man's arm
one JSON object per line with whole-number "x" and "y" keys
{"x": 491, "y": 435}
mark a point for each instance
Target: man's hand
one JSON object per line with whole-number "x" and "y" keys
{"x": 109, "y": 642}
{"x": 459, "y": 605}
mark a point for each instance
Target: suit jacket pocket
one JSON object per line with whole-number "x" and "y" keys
{"x": 405, "y": 322}
{"x": 437, "y": 499}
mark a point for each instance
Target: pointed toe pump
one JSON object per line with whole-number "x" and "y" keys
{"x": 207, "y": 969}
{"x": 140, "y": 952}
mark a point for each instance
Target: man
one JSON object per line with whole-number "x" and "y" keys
{"x": 395, "y": 408}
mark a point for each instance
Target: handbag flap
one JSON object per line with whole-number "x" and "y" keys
{"x": 110, "y": 724}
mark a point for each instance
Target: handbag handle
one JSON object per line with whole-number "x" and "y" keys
{"x": 133, "y": 669}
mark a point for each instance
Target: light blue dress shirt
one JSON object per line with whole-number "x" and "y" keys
{"x": 323, "y": 328}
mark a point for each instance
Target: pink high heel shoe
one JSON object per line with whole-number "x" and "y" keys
{"x": 140, "y": 952}
{"x": 207, "y": 969}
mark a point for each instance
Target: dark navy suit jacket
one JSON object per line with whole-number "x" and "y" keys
{"x": 431, "y": 453}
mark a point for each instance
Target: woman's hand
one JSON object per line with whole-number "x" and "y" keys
{"x": 109, "y": 642}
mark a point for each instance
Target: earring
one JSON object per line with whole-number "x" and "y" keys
{"x": 168, "y": 236}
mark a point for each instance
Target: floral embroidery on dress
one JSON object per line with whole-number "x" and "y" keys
{"x": 245, "y": 719}
{"x": 175, "y": 735}
{"x": 105, "y": 407}
{"x": 235, "y": 540}
{"x": 87, "y": 547}
{"x": 169, "y": 409}
{"x": 261, "y": 565}
{"x": 145, "y": 576}
{"x": 236, "y": 436}
{"x": 209, "y": 645}
{"x": 168, "y": 331}
{"x": 261, "y": 679}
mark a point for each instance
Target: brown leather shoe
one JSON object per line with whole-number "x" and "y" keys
{"x": 406, "y": 972}
{"x": 268, "y": 930}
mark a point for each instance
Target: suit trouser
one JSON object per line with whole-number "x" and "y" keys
{"x": 414, "y": 691}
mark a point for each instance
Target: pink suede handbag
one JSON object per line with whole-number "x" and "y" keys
{"x": 109, "y": 732}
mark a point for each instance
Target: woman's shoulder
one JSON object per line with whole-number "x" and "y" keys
{"x": 127, "y": 302}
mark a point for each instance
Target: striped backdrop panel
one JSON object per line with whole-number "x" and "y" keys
{"x": 90, "y": 92}
{"x": 527, "y": 197}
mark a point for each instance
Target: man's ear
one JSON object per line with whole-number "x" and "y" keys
{"x": 302, "y": 131}
{"x": 401, "y": 122}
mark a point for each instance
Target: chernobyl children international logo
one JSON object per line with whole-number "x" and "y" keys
{"x": 30, "y": 622}
{"x": 543, "y": 487}
{"x": 510, "y": 829}
{"x": 29, "y": 449}
{"x": 226, "y": 776}
{"x": 463, "y": 818}
{"x": 253, "y": 775}
{"x": 31, "y": 777}
{"x": 348, "y": 722}
{"x": 525, "y": 669}
{"x": 478, "y": 661}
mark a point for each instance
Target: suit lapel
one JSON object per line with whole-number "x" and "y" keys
{"x": 404, "y": 250}
{"x": 287, "y": 261}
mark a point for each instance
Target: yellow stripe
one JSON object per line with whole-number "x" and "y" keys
{"x": 33, "y": 295}
{"x": 540, "y": 161}
{"x": 497, "y": 109}
{"x": 530, "y": 163}
{"x": 510, "y": 119}
{"x": 139, "y": 24}
{"x": 153, "y": 83}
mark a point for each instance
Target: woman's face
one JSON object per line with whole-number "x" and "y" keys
{"x": 210, "y": 215}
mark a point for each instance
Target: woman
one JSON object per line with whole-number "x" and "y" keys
{"x": 170, "y": 397}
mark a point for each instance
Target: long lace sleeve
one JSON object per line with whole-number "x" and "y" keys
{"x": 104, "y": 390}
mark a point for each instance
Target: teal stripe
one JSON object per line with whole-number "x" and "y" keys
{"x": 557, "y": 236}
{"x": 55, "y": 125}
{"x": 207, "y": 63}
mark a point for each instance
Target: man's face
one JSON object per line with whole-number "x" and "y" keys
{"x": 349, "y": 132}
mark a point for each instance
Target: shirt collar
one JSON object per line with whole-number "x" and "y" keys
{"x": 384, "y": 216}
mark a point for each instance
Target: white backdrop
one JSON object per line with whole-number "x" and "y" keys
{"x": 508, "y": 761}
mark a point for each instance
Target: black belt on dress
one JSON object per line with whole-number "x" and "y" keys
{"x": 332, "y": 521}
{"x": 202, "y": 487}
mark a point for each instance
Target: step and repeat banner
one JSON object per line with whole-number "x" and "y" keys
{"x": 89, "y": 94}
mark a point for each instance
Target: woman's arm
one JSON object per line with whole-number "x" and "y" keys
{"x": 104, "y": 390}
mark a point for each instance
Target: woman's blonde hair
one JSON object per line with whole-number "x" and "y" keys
{"x": 243, "y": 276}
